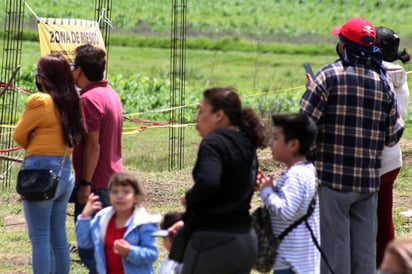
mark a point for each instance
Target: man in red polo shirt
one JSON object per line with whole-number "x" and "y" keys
{"x": 99, "y": 155}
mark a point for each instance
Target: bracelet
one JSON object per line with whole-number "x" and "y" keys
{"x": 84, "y": 182}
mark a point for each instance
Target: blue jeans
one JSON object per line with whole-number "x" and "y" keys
{"x": 46, "y": 220}
{"x": 87, "y": 255}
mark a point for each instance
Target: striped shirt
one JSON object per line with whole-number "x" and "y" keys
{"x": 287, "y": 202}
{"x": 356, "y": 117}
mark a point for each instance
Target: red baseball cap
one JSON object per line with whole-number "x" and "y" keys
{"x": 358, "y": 30}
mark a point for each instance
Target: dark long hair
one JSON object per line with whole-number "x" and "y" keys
{"x": 227, "y": 99}
{"x": 59, "y": 83}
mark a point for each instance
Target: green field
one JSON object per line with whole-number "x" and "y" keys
{"x": 257, "y": 46}
{"x": 277, "y": 20}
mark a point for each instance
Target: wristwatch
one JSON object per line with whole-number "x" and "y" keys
{"x": 84, "y": 182}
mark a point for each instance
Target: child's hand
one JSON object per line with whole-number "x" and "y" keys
{"x": 262, "y": 180}
{"x": 121, "y": 247}
{"x": 259, "y": 176}
{"x": 93, "y": 204}
{"x": 175, "y": 227}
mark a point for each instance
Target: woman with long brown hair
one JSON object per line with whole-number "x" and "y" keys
{"x": 49, "y": 128}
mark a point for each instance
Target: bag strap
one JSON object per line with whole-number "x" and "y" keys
{"x": 304, "y": 218}
{"x": 315, "y": 241}
{"x": 62, "y": 162}
{"x": 301, "y": 219}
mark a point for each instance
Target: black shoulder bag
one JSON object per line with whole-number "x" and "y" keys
{"x": 38, "y": 184}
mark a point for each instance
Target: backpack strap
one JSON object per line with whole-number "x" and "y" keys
{"x": 309, "y": 212}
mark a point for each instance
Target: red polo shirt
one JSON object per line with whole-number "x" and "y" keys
{"x": 102, "y": 112}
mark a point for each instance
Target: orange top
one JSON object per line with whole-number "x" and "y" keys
{"x": 39, "y": 130}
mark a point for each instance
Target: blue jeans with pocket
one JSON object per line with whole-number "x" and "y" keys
{"x": 46, "y": 220}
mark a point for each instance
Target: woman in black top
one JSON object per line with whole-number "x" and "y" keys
{"x": 217, "y": 206}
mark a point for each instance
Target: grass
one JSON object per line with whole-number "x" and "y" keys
{"x": 150, "y": 149}
{"x": 163, "y": 189}
{"x": 279, "y": 20}
{"x": 146, "y": 153}
{"x": 262, "y": 78}
{"x": 249, "y": 71}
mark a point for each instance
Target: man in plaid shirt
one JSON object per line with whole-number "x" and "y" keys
{"x": 354, "y": 106}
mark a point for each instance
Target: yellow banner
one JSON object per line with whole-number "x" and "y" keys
{"x": 63, "y": 36}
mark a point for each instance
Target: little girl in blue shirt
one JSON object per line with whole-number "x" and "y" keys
{"x": 120, "y": 234}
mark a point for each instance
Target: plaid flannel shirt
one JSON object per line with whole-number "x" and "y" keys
{"x": 356, "y": 117}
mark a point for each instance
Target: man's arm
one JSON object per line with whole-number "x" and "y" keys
{"x": 91, "y": 153}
